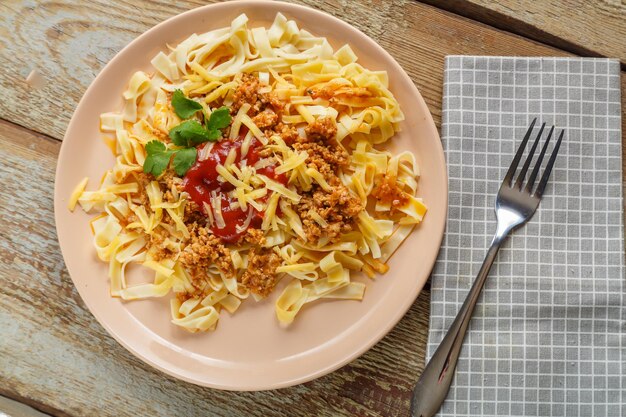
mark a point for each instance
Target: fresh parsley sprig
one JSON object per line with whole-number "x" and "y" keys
{"x": 187, "y": 135}
{"x": 183, "y": 160}
{"x": 184, "y": 107}
{"x": 158, "y": 158}
{"x": 220, "y": 119}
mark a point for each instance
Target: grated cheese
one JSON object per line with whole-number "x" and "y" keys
{"x": 227, "y": 176}
{"x": 76, "y": 193}
{"x": 216, "y": 203}
{"x": 279, "y": 188}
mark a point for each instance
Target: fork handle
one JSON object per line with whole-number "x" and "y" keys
{"x": 432, "y": 387}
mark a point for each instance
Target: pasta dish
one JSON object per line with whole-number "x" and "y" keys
{"x": 251, "y": 156}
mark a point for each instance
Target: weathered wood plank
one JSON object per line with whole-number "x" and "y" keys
{"x": 587, "y": 28}
{"x": 55, "y": 355}
{"x": 69, "y": 45}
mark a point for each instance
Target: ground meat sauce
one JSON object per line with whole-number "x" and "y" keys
{"x": 337, "y": 207}
{"x": 202, "y": 179}
{"x": 260, "y": 276}
{"x": 387, "y": 191}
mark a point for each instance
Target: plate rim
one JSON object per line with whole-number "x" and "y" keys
{"x": 361, "y": 348}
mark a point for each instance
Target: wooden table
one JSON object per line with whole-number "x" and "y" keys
{"x": 54, "y": 356}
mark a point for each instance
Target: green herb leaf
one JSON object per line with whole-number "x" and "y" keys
{"x": 158, "y": 158}
{"x": 189, "y": 133}
{"x": 184, "y": 107}
{"x": 219, "y": 119}
{"x": 183, "y": 160}
{"x": 214, "y": 135}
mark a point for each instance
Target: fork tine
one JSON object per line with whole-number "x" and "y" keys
{"x": 544, "y": 179}
{"x": 529, "y": 158}
{"x": 533, "y": 175}
{"x": 508, "y": 179}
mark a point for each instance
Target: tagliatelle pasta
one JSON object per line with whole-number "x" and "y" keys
{"x": 248, "y": 156}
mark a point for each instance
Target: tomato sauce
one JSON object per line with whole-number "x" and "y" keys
{"x": 201, "y": 180}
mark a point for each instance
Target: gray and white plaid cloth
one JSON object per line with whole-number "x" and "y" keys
{"x": 548, "y": 337}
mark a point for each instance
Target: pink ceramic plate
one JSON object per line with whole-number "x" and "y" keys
{"x": 249, "y": 350}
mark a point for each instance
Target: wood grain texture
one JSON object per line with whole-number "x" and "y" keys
{"x": 53, "y": 353}
{"x": 586, "y": 28}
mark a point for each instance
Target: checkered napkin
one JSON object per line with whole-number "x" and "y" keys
{"x": 548, "y": 337}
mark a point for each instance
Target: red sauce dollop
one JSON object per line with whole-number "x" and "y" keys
{"x": 201, "y": 180}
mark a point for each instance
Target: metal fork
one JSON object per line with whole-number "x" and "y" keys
{"x": 515, "y": 205}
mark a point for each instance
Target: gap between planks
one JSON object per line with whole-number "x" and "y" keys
{"x": 497, "y": 20}
{"x": 49, "y": 141}
{"x": 15, "y": 406}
